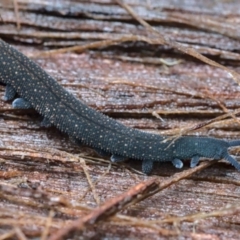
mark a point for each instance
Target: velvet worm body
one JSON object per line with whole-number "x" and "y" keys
{"x": 40, "y": 91}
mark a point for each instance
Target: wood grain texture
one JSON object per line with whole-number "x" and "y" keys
{"x": 184, "y": 95}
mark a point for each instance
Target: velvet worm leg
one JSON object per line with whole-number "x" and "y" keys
{"x": 10, "y": 93}
{"x": 177, "y": 163}
{"x": 117, "y": 158}
{"x": 101, "y": 152}
{"x": 232, "y": 160}
{"x": 46, "y": 123}
{"x": 147, "y": 166}
{"x": 75, "y": 141}
{"x": 20, "y": 103}
{"x": 194, "y": 161}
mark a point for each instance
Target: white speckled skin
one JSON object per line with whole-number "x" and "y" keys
{"x": 92, "y": 128}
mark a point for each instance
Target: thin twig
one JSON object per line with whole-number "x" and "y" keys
{"x": 176, "y": 45}
{"x": 19, "y": 233}
{"x": 7, "y": 235}
{"x": 48, "y": 224}
{"x": 108, "y": 209}
{"x": 15, "y": 3}
{"x": 132, "y": 196}
{"x": 92, "y": 186}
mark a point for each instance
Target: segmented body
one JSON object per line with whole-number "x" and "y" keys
{"x": 90, "y": 127}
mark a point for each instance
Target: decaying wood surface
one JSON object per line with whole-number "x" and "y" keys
{"x": 128, "y": 60}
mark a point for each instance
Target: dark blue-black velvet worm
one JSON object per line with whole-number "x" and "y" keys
{"x": 60, "y": 108}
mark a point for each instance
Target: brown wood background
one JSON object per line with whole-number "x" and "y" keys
{"x": 47, "y": 181}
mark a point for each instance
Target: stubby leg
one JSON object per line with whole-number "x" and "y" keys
{"x": 147, "y": 166}
{"x": 46, "y": 123}
{"x": 10, "y": 93}
{"x": 194, "y": 161}
{"x": 232, "y": 160}
{"x": 20, "y": 103}
{"x": 101, "y": 152}
{"x": 75, "y": 140}
{"x": 177, "y": 163}
{"x": 117, "y": 158}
